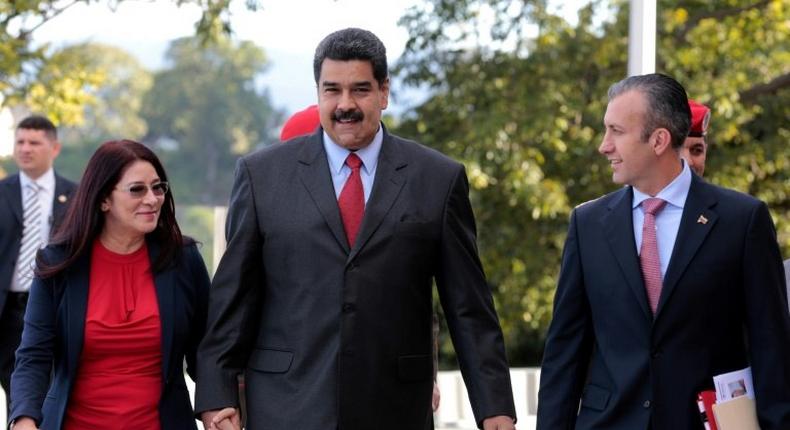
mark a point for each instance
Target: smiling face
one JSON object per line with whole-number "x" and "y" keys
{"x": 695, "y": 151}
{"x": 129, "y": 217}
{"x": 632, "y": 159}
{"x": 350, "y": 101}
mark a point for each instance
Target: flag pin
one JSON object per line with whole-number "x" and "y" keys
{"x": 702, "y": 220}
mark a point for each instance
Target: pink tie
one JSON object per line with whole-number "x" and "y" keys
{"x": 352, "y": 200}
{"x": 648, "y": 254}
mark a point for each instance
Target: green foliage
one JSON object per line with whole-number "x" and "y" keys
{"x": 59, "y": 85}
{"x": 518, "y": 94}
{"x": 204, "y": 111}
{"x": 197, "y": 222}
{"x": 114, "y": 109}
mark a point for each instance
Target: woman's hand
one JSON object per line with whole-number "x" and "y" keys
{"x": 24, "y": 423}
{"x": 224, "y": 419}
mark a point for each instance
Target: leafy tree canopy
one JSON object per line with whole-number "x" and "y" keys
{"x": 518, "y": 94}
{"x": 205, "y": 110}
{"x": 58, "y": 85}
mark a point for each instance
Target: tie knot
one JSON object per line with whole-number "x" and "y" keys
{"x": 33, "y": 188}
{"x": 653, "y": 205}
{"x": 353, "y": 161}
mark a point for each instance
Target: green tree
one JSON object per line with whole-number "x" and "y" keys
{"x": 114, "y": 109}
{"x": 518, "y": 94}
{"x": 36, "y": 76}
{"x": 109, "y": 107}
{"x": 205, "y": 110}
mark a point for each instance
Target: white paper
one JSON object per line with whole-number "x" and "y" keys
{"x": 734, "y": 384}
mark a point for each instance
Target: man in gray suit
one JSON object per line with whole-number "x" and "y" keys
{"x": 35, "y": 148}
{"x": 323, "y": 297}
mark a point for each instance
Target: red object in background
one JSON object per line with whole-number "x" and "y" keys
{"x": 301, "y": 123}
{"x": 706, "y": 399}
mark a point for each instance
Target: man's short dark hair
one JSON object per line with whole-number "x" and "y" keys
{"x": 352, "y": 44}
{"x": 667, "y": 104}
{"x": 39, "y": 122}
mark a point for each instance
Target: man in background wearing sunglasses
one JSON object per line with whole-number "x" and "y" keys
{"x": 32, "y": 203}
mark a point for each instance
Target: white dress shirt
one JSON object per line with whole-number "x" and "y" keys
{"x": 336, "y": 156}
{"x": 46, "y": 195}
{"x": 668, "y": 219}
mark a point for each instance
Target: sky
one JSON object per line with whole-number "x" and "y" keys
{"x": 287, "y": 30}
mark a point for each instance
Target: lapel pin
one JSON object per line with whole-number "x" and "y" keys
{"x": 62, "y": 198}
{"x": 702, "y": 220}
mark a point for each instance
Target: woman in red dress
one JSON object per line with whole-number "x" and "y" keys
{"x": 118, "y": 304}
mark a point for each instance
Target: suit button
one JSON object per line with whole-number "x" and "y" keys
{"x": 646, "y": 404}
{"x": 348, "y": 308}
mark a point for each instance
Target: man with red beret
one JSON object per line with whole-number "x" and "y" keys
{"x": 695, "y": 148}
{"x": 301, "y": 123}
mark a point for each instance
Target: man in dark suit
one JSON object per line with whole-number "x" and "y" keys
{"x": 35, "y": 148}
{"x": 664, "y": 284}
{"x": 787, "y": 280}
{"x": 323, "y": 297}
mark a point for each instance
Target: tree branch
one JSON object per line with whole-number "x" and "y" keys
{"x": 717, "y": 14}
{"x": 750, "y": 95}
{"x": 46, "y": 16}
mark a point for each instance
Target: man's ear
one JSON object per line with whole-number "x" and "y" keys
{"x": 661, "y": 140}
{"x": 385, "y": 93}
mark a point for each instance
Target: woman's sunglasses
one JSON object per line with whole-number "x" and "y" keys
{"x": 138, "y": 191}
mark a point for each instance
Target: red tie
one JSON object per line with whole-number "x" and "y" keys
{"x": 648, "y": 254}
{"x": 352, "y": 200}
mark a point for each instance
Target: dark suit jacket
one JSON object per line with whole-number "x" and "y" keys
{"x": 53, "y": 337}
{"x": 335, "y": 337}
{"x": 11, "y": 223}
{"x": 722, "y": 308}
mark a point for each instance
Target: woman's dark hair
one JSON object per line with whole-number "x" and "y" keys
{"x": 84, "y": 219}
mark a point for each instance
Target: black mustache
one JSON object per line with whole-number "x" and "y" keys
{"x": 352, "y": 115}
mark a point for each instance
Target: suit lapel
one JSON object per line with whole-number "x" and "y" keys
{"x": 76, "y": 294}
{"x": 619, "y": 227}
{"x": 60, "y": 199}
{"x": 386, "y": 186}
{"x": 14, "y": 193}
{"x": 314, "y": 173}
{"x": 691, "y": 233}
{"x": 164, "y": 284}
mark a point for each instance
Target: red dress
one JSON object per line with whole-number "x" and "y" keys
{"x": 119, "y": 381}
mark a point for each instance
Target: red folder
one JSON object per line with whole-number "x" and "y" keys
{"x": 705, "y": 401}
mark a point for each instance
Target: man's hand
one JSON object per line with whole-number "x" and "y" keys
{"x": 221, "y": 419}
{"x": 499, "y": 422}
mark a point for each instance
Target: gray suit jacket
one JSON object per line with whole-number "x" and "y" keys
{"x": 11, "y": 223}
{"x": 335, "y": 337}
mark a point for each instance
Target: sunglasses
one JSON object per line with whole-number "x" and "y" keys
{"x": 139, "y": 191}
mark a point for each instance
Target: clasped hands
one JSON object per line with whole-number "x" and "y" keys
{"x": 229, "y": 419}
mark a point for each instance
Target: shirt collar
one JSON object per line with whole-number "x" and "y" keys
{"x": 675, "y": 193}
{"x": 46, "y": 181}
{"x": 337, "y": 155}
